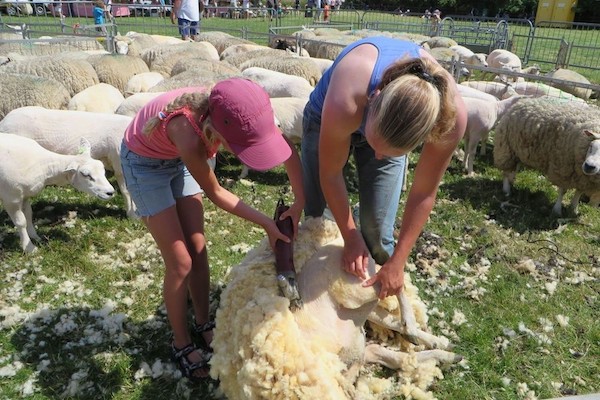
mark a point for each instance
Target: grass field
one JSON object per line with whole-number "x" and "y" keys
{"x": 83, "y": 317}
{"x": 80, "y": 317}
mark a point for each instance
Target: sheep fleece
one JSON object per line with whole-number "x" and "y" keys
{"x": 547, "y": 135}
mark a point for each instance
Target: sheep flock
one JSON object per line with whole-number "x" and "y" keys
{"x": 66, "y": 112}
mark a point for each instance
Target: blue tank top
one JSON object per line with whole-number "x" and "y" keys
{"x": 390, "y": 50}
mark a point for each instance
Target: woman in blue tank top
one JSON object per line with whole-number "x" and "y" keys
{"x": 380, "y": 99}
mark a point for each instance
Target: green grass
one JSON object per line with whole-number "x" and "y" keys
{"x": 94, "y": 257}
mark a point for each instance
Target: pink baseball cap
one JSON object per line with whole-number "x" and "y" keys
{"x": 241, "y": 112}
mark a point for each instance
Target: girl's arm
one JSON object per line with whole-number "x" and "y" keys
{"x": 193, "y": 154}
{"x": 293, "y": 168}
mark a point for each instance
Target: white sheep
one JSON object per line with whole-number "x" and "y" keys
{"x": 559, "y": 139}
{"x": 239, "y": 49}
{"x": 504, "y": 59}
{"x": 60, "y": 131}
{"x": 264, "y": 350}
{"x": 142, "y": 82}
{"x": 468, "y": 91}
{"x": 279, "y": 84}
{"x": 132, "y": 104}
{"x": 100, "y": 98}
{"x": 482, "y": 115}
{"x": 538, "y": 89}
{"x": 298, "y": 66}
{"x": 571, "y": 76}
{"x": 500, "y": 90}
{"x": 27, "y": 168}
{"x": 468, "y": 57}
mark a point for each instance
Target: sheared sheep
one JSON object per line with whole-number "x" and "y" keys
{"x": 141, "y": 83}
{"x": 504, "y": 59}
{"x": 60, "y": 131}
{"x": 132, "y": 104}
{"x": 100, "y": 98}
{"x": 468, "y": 57}
{"x": 538, "y": 89}
{"x": 262, "y": 350}
{"x": 559, "y": 139}
{"x": 298, "y": 66}
{"x": 279, "y": 84}
{"x": 482, "y": 115}
{"x": 236, "y": 60}
{"x": 27, "y": 168}
{"x": 572, "y": 76}
{"x": 240, "y": 48}
{"x": 500, "y": 90}
{"x": 20, "y": 90}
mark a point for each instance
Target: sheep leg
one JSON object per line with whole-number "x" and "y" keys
{"x": 509, "y": 178}
{"x": 407, "y": 325}
{"x": 470, "y": 153}
{"x": 483, "y": 141}
{"x": 575, "y": 201}
{"x": 244, "y": 172}
{"x": 557, "y": 208}
{"x": 393, "y": 359}
{"x": 15, "y": 211}
{"x": 29, "y": 218}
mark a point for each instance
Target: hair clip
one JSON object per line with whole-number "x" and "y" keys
{"x": 426, "y": 77}
{"x": 162, "y": 115}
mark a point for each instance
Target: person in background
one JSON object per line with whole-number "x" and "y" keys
{"x": 186, "y": 13}
{"x": 165, "y": 160}
{"x": 99, "y": 12}
{"x": 380, "y": 100}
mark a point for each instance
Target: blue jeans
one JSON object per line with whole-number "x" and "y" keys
{"x": 187, "y": 28}
{"x": 379, "y": 181}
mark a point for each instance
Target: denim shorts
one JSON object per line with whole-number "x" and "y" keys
{"x": 155, "y": 184}
{"x": 187, "y": 27}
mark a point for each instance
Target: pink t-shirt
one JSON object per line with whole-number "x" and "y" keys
{"x": 157, "y": 145}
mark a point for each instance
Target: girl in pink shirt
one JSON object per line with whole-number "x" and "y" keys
{"x": 165, "y": 159}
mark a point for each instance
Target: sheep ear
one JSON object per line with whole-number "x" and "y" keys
{"x": 593, "y": 134}
{"x": 84, "y": 147}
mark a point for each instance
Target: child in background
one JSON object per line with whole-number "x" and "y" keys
{"x": 99, "y": 10}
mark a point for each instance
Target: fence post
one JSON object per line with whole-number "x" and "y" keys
{"x": 561, "y": 57}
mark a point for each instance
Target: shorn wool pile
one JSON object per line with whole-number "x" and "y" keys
{"x": 263, "y": 350}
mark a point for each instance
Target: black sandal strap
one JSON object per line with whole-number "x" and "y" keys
{"x": 187, "y": 367}
{"x": 205, "y": 327}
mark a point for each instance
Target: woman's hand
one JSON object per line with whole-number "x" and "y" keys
{"x": 294, "y": 212}
{"x": 356, "y": 255}
{"x": 391, "y": 278}
{"x": 275, "y": 234}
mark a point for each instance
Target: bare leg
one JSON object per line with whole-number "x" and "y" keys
{"x": 166, "y": 229}
{"x": 199, "y": 278}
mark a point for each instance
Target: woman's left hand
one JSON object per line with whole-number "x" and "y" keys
{"x": 391, "y": 278}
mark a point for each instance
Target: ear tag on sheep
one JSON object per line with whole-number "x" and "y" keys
{"x": 284, "y": 259}
{"x": 84, "y": 147}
